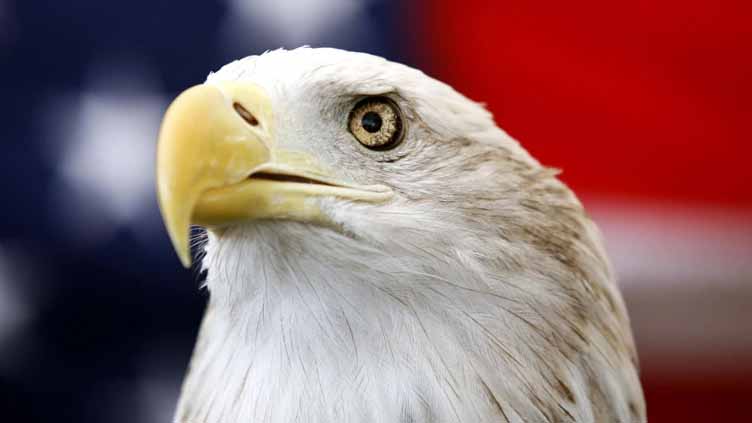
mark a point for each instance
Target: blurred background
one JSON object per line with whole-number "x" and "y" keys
{"x": 647, "y": 106}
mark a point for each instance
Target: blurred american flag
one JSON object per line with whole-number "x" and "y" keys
{"x": 644, "y": 105}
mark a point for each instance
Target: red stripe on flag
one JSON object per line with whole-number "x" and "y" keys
{"x": 651, "y": 100}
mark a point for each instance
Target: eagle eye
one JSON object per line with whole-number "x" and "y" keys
{"x": 376, "y": 122}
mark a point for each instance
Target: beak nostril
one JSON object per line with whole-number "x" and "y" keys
{"x": 245, "y": 114}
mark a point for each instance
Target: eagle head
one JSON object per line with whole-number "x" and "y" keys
{"x": 379, "y": 250}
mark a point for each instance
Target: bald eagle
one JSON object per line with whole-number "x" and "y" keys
{"x": 380, "y": 251}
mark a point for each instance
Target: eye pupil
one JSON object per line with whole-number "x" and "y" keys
{"x": 376, "y": 123}
{"x": 371, "y": 122}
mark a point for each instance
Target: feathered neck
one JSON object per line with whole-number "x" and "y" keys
{"x": 337, "y": 329}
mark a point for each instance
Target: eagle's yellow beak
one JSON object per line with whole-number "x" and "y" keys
{"x": 217, "y": 165}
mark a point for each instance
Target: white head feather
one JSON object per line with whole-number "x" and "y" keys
{"x": 479, "y": 294}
